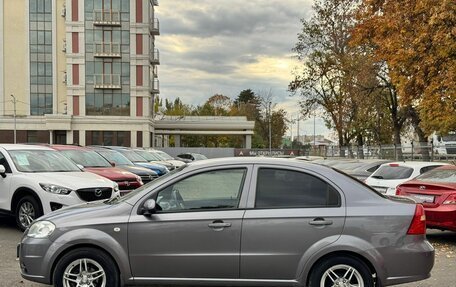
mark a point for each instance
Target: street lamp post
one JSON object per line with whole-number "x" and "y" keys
{"x": 270, "y": 130}
{"x": 14, "y": 103}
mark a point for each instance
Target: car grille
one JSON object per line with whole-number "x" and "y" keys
{"x": 92, "y": 194}
{"x": 148, "y": 178}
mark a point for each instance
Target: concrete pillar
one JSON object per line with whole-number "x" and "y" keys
{"x": 177, "y": 140}
{"x": 248, "y": 141}
{"x": 146, "y": 138}
{"x": 51, "y": 137}
{"x": 69, "y": 137}
{"x": 133, "y": 142}
{"x": 82, "y": 138}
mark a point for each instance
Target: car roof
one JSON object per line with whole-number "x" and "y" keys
{"x": 67, "y": 147}
{"x": 256, "y": 160}
{"x": 24, "y": 147}
{"x": 414, "y": 164}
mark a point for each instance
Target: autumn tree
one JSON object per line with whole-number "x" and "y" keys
{"x": 325, "y": 81}
{"x": 417, "y": 40}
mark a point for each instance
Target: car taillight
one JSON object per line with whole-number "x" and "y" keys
{"x": 418, "y": 225}
{"x": 398, "y": 190}
{"x": 451, "y": 199}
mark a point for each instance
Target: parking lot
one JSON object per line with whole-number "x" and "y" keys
{"x": 442, "y": 275}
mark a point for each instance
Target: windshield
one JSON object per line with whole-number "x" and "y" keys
{"x": 393, "y": 172}
{"x": 86, "y": 158}
{"x": 199, "y": 156}
{"x": 41, "y": 161}
{"x": 146, "y": 186}
{"x": 439, "y": 175}
{"x": 115, "y": 157}
{"x": 148, "y": 156}
{"x": 163, "y": 155}
{"x": 132, "y": 156}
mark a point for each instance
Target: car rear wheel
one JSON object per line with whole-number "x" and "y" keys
{"x": 27, "y": 210}
{"x": 341, "y": 271}
{"x": 86, "y": 267}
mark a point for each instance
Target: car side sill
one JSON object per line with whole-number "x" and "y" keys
{"x": 264, "y": 282}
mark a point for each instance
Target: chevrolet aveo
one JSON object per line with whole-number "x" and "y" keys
{"x": 234, "y": 222}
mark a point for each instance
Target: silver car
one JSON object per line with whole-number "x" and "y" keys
{"x": 234, "y": 222}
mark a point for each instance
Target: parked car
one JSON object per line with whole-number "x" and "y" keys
{"x": 91, "y": 161}
{"x": 150, "y": 157}
{"x": 189, "y": 157}
{"x": 236, "y": 222}
{"x": 140, "y": 161}
{"x": 389, "y": 175}
{"x": 164, "y": 156}
{"x": 36, "y": 180}
{"x": 366, "y": 168}
{"x": 118, "y": 160}
{"x": 436, "y": 190}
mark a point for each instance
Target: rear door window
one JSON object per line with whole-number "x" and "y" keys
{"x": 393, "y": 172}
{"x": 281, "y": 188}
{"x": 428, "y": 168}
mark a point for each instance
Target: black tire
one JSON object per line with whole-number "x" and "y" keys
{"x": 27, "y": 201}
{"x": 100, "y": 257}
{"x": 363, "y": 273}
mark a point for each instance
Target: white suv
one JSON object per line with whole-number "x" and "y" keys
{"x": 35, "y": 180}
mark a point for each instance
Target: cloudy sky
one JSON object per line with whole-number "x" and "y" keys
{"x": 226, "y": 46}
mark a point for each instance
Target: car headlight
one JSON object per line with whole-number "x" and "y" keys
{"x": 41, "y": 229}
{"x": 139, "y": 179}
{"x": 116, "y": 188}
{"x": 52, "y": 188}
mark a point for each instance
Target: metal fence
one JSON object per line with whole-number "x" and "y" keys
{"x": 415, "y": 151}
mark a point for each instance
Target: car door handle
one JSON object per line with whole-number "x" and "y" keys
{"x": 320, "y": 222}
{"x": 219, "y": 225}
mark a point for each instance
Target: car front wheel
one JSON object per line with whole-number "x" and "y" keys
{"x": 86, "y": 267}
{"x": 341, "y": 271}
{"x": 27, "y": 210}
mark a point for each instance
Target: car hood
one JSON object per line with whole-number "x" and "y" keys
{"x": 176, "y": 163}
{"x": 141, "y": 171}
{"x": 151, "y": 166}
{"x": 112, "y": 173}
{"x": 96, "y": 212}
{"x": 73, "y": 180}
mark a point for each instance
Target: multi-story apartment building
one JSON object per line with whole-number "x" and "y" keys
{"x": 78, "y": 71}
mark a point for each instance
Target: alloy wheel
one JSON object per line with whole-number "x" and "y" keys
{"x": 84, "y": 272}
{"x": 341, "y": 276}
{"x": 26, "y": 214}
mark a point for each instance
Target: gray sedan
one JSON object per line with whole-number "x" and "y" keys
{"x": 234, "y": 222}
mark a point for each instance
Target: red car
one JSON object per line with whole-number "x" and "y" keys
{"x": 436, "y": 190}
{"x": 93, "y": 162}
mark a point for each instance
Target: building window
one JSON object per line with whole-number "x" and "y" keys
{"x": 108, "y": 138}
{"x": 41, "y": 96}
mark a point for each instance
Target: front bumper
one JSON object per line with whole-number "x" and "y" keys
{"x": 34, "y": 259}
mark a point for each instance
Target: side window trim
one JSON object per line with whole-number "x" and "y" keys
{"x": 243, "y": 193}
{"x": 253, "y": 186}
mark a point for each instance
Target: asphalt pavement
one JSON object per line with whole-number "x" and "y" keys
{"x": 443, "y": 274}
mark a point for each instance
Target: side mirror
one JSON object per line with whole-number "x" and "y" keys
{"x": 2, "y": 171}
{"x": 113, "y": 164}
{"x": 149, "y": 207}
{"x": 80, "y": 166}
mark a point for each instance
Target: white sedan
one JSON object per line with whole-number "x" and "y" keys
{"x": 389, "y": 175}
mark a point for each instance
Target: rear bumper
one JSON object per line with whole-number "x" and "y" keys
{"x": 412, "y": 262}
{"x": 442, "y": 217}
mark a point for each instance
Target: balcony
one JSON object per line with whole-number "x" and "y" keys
{"x": 154, "y": 26}
{"x": 154, "y": 57}
{"x": 106, "y": 18}
{"x": 155, "y": 86}
{"x": 107, "y": 81}
{"x": 107, "y": 50}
